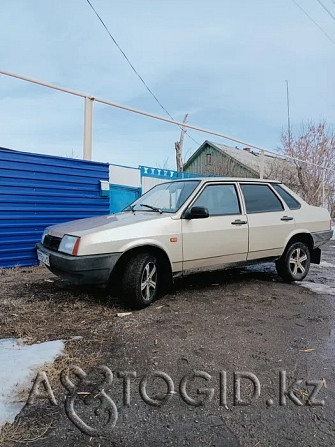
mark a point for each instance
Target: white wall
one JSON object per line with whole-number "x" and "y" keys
{"x": 150, "y": 182}
{"x": 121, "y": 175}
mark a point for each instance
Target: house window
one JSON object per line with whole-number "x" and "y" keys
{"x": 209, "y": 159}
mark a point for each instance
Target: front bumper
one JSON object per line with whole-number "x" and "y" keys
{"x": 321, "y": 237}
{"x": 93, "y": 269}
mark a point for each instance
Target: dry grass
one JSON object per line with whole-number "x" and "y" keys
{"x": 17, "y": 269}
{"x": 63, "y": 363}
{"x": 23, "y": 432}
{"x": 37, "y": 306}
{"x": 74, "y": 355}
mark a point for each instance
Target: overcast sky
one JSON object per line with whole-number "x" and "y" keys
{"x": 224, "y": 62}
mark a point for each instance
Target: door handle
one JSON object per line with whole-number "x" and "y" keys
{"x": 239, "y": 222}
{"x": 286, "y": 218}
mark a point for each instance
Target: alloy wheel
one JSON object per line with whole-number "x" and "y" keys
{"x": 297, "y": 261}
{"x": 149, "y": 281}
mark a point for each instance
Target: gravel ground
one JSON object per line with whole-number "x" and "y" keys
{"x": 232, "y": 321}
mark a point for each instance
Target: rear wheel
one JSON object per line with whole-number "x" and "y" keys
{"x": 141, "y": 280}
{"x": 294, "y": 263}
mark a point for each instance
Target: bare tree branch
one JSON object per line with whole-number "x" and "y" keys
{"x": 315, "y": 143}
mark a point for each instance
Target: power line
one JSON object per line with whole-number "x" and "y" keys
{"x": 151, "y": 115}
{"x": 315, "y": 23}
{"x": 133, "y": 68}
{"x": 326, "y": 9}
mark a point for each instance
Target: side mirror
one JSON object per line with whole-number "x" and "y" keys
{"x": 196, "y": 212}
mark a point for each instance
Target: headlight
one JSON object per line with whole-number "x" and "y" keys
{"x": 69, "y": 245}
{"x": 45, "y": 232}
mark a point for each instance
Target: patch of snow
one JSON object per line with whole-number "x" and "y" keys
{"x": 18, "y": 366}
{"x": 324, "y": 264}
{"x": 320, "y": 289}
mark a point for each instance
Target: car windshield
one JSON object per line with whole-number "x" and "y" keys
{"x": 164, "y": 198}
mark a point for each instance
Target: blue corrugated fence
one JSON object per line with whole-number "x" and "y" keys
{"x": 40, "y": 190}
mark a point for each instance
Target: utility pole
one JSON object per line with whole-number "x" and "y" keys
{"x": 288, "y": 116}
{"x": 179, "y": 147}
{"x": 88, "y": 118}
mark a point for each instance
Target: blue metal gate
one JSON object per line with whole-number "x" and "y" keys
{"x": 121, "y": 196}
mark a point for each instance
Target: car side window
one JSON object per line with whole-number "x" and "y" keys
{"x": 219, "y": 200}
{"x": 290, "y": 201}
{"x": 260, "y": 199}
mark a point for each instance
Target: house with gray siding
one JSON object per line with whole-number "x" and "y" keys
{"x": 219, "y": 159}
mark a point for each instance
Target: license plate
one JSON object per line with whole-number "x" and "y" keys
{"x": 43, "y": 257}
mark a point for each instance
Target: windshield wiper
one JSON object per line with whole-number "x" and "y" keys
{"x": 129, "y": 208}
{"x": 152, "y": 207}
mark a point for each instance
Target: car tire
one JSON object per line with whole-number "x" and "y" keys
{"x": 294, "y": 263}
{"x": 141, "y": 280}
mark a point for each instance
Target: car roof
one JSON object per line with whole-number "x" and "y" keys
{"x": 227, "y": 179}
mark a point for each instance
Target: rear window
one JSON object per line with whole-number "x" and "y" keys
{"x": 290, "y": 201}
{"x": 260, "y": 199}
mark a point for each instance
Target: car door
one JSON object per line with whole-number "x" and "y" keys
{"x": 220, "y": 238}
{"x": 270, "y": 221}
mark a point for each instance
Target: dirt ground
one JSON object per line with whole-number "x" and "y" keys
{"x": 234, "y": 321}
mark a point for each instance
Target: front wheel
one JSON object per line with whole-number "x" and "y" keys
{"x": 294, "y": 263}
{"x": 141, "y": 280}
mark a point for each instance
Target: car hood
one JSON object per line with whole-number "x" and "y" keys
{"x": 82, "y": 227}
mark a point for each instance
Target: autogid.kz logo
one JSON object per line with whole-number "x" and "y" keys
{"x": 87, "y": 394}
